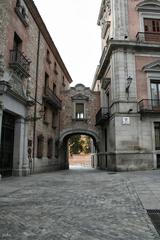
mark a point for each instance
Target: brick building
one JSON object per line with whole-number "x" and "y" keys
{"x": 32, "y": 77}
{"x": 80, "y": 106}
{"x": 128, "y": 76}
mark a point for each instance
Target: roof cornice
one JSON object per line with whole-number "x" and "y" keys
{"x": 43, "y": 29}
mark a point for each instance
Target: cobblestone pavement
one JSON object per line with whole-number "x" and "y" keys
{"x": 77, "y": 204}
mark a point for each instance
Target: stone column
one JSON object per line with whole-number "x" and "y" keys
{"x": 25, "y": 166}
{"x": 120, "y": 19}
{"x": 20, "y": 163}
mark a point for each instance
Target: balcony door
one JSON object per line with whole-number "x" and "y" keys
{"x": 17, "y": 43}
{"x": 152, "y": 29}
{"x": 155, "y": 94}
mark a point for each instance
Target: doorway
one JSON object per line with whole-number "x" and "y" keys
{"x": 7, "y": 144}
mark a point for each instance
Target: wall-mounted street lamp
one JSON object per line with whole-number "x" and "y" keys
{"x": 33, "y": 117}
{"x": 129, "y": 80}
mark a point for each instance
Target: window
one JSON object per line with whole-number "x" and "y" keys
{"x": 152, "y": 29}
{"x": 54, "y": 119}
{"x": 55, "y": 68}
{"x": 17, "y": 43}
{"x": 48, "y": 57}
{"x": 40, "y": 143}
{"x": 54, "y": 88}
{"x": 79, "y": 110}
{"x": 50, "y": 148}
{"x": 46, "y": 82}
{"x": 155, "y": 94}
{"x": 45, "y": 116}
{"x": 157, "y": 135}
{"x": 23, "y": 12}
{"x": 152, "y": 25}
{"x": 63, "y": 82}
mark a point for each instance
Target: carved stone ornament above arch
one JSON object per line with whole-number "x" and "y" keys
{"x": 152, "y": 67}
{"x": 79, "y": 87}
{"x": 149, "y": 6}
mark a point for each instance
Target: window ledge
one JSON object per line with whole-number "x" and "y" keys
{"x": 80, "y": 119}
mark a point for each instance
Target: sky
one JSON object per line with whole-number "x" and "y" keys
{"x": 73, "y": 27}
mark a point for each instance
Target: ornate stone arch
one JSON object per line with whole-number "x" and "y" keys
{"x": 69, "y": 132}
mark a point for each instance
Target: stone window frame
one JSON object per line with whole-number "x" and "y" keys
{"x": 22, "y": 12}
{"x": 150, "y": 15}
{"x": 151, "y": 76}
{"x": 74, "y": 110}
{"x": 79, "y": 118}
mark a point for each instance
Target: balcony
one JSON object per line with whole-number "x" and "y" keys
{"x": 149, "y": 106}
{"x": 19, "y": 63}
{"x": 148, "y": 37}
{"x": 103, "y": 56}
{"x": 52, "y": 99}
{"x": 102, "y": 115}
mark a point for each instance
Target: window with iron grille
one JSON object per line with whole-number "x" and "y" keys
{"x": 40, "y": 145}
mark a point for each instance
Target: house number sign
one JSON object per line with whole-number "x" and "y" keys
{"x": 125, "y": 120}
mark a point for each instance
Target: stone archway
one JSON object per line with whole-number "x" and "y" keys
{"x": 63, "y": 141}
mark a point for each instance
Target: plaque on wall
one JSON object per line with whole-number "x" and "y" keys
{"x": 126, "y": 120}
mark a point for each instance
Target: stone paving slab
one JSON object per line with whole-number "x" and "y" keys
{"x": 147, "y": 186}
{"x": 77, "y": 204}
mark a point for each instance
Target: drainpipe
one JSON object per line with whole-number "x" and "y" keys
{"x": 35, "y": 99}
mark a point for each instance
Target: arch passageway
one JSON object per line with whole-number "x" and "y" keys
{"x": 64, "y": 144}
{"x": 80, "y": 106}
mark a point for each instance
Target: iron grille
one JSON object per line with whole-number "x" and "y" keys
{"x": 149, "y": 105}
{"x": 154, "y": 215}
{"x": 148, "y": 37}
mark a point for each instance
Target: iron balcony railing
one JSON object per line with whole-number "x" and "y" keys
{"x": 19, "y": 62}
{"x": 102, "y": 115}
{"x": 52, "y": 99}
{"x": 148, "y": 37}
{"x": 149, "y": 105}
